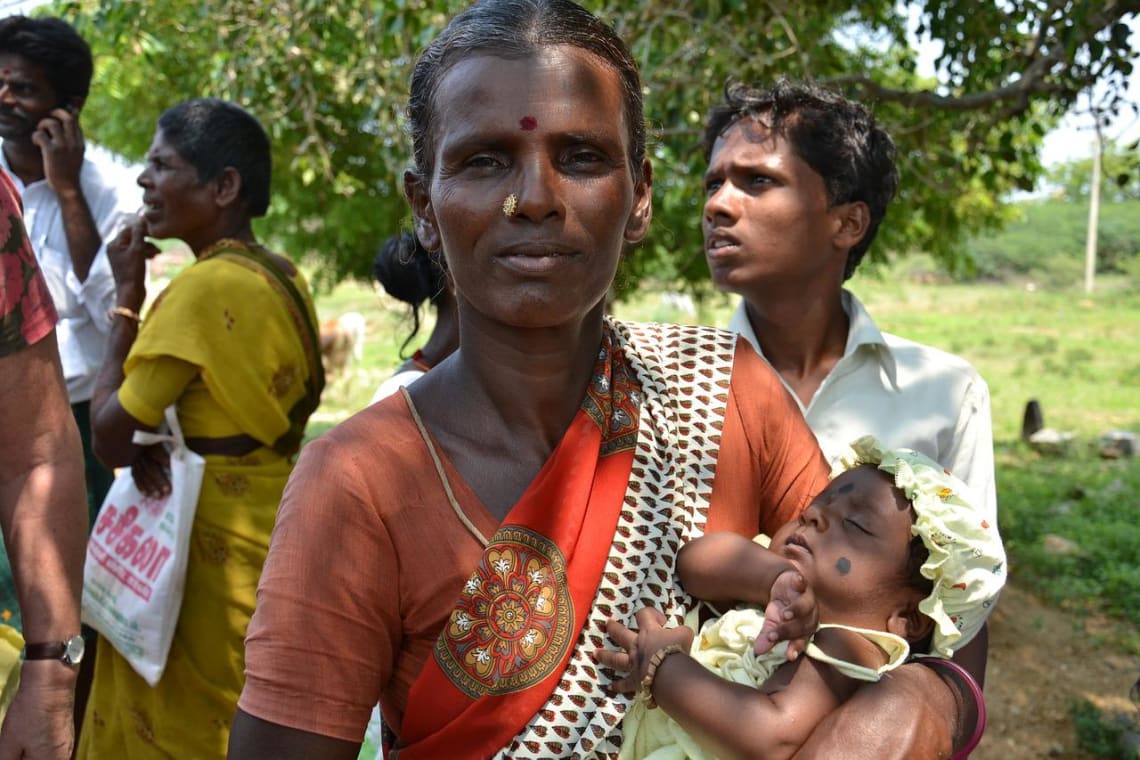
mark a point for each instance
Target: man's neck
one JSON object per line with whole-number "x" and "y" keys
{"x": 24, "y": 160}
{"x": 803, "y": 339}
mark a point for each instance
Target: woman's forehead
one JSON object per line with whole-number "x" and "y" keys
{"x": 560, "y": 82}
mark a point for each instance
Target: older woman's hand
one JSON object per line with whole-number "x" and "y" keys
{"x": 151, "y": 471}
{"x": 128, "y": 254}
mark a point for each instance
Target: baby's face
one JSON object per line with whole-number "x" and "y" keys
{"x": 851, "y": 545}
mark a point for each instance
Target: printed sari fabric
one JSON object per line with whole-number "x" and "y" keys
{"x": 368, "y": 541}
{"x": 26, "y": 310}
{"x": 251, "y": 337}
{"x": 513, "y": 670}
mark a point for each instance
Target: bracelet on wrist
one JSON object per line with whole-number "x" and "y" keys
{"x": 123, "y": 311}
{"x": 645, "y": 691}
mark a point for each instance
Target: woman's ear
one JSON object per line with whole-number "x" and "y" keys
{"x": 909, "y": 623}
{"x": 229, "y": 187}
{"x": 637, "y": 226}
{"x": 419, "y": 197}
{"x": 852, "y": 220}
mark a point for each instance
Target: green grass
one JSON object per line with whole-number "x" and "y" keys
{"x": 1077, "y": 354}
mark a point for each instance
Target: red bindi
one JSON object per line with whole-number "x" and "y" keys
{"x": 528, "y": 123}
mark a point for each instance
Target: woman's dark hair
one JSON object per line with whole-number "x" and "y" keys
{"x": 836, "y": 137}
{"x": 517, "y": 29}
{"x": 53, "y": 45}
{"x": 213, "y": 134}
{"x": 412, "y": 274}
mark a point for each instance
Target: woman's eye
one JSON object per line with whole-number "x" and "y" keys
{"x": 759, "y": 180}
{"x": 482, "y": 162}
{"x": 584, "y": 159}
{"x": 712, "y": 185}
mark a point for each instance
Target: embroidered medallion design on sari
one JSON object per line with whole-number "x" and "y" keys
{"x": 512, "y": 622}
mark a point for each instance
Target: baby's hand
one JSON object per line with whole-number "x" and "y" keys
{"x": 791, "y": 615}
{"x": 639, "y": 646}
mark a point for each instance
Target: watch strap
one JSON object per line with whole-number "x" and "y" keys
{"x": 49, "y": 650}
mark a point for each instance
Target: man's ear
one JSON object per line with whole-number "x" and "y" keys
{"x": 908, "y": 622}
{"x": 852, "y": 220}
{"x": 229, "y": 187}
{"x": 637, "y": 225}
{"x": 419, "y": 197}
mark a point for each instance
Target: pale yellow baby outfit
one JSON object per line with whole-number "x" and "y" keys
{"x": 724, "y": 646}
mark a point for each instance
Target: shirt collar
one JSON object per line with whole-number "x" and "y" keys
{"x": 862, "y": 331}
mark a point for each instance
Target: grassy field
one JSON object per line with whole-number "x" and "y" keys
{"x": 1077, "y": 354}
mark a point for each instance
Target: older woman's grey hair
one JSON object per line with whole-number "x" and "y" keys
{"x": 213, "y": 134}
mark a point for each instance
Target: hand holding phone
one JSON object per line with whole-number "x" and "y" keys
{"x": 61, "y": 144}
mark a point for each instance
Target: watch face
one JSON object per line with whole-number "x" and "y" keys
{"x": 74, "y": 653}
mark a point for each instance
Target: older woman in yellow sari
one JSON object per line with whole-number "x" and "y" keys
{"x": 231, "y": 342}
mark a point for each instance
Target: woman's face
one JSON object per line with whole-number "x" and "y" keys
{"x": 176, "y": 204}
{"x": 549, "y": 129}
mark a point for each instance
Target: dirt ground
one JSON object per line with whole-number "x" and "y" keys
{"x": 1040, "y": 659}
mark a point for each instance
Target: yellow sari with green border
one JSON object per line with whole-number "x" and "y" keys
{"x": 251, "y": 331}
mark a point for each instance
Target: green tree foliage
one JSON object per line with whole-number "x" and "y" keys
{"x": 1046, "y": 241}
{"x": 329, "y": 80}
{"x": 1119, "y": 173}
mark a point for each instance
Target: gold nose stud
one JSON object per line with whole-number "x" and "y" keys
{"x": 510, "y": 205}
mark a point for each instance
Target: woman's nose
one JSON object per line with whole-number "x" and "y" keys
{"x": 538, "y": 196}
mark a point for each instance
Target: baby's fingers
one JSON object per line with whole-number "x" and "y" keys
{"x": 619, "y": 661}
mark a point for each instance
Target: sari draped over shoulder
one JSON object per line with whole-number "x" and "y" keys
{"x": 594, "y": 536}
{"x": 250, "y": 330}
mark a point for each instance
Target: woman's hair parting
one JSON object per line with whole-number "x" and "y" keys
{"x": 517, "y": 29}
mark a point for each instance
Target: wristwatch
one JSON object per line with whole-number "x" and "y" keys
{"x": 70, "y": 651}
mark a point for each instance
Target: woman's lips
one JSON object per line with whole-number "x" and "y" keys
{"x": 537, "y": 260}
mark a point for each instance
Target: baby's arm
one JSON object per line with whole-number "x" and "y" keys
{"x": 727, "y": 568}
{"x": 733, "y": 720}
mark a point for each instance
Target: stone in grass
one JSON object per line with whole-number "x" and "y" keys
{"x": 1052, "y": 442}
{"x": 1059, "y": 545}
{"x": 1119, "y": 443}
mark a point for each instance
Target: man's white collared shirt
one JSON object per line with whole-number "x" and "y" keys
{"x": 905, "y": 394}
{"x": 84, "y": 327}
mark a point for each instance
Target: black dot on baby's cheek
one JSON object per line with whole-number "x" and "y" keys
{"x": 843, "y": 565}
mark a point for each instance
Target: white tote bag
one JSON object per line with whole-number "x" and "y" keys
{"x": 135, "y": 570}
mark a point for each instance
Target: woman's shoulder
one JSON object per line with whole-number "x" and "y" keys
{"x": 383, "y": 429}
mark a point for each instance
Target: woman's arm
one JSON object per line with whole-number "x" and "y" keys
{"x": 252, "y": 737}
{"x": 43, "y": 513}
{"x": 922, "y": 709}
{"x": 111, "y": 425}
